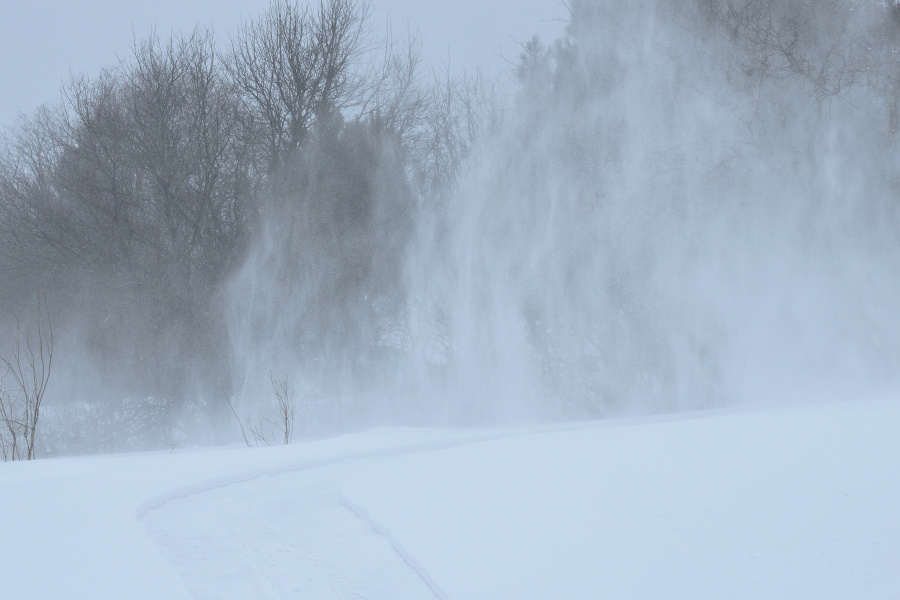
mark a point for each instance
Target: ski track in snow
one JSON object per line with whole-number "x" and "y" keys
{"x": 444, "y": 442}
{"x": 187, "y": 541}
{"x": 281, "y": 537}
{"x": 329, "y": 557}
{"x": 407, "y": 557}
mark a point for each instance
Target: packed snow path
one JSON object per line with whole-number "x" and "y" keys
{"x": 284, "y": 536}
{"x": 789, "y": 503}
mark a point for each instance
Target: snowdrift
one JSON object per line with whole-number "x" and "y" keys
{"x": 788, "y": 503}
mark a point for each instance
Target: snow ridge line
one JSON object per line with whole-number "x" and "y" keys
{"x": 401, "y": 551}
{"x": 411, "y": 448}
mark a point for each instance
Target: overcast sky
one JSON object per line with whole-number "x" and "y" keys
{"x": 42, "y": 41}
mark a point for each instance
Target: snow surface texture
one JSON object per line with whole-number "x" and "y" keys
{"x": 790, "y": 503}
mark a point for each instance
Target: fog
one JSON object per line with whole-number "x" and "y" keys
{"x": 671, "y": 208}
{"x": 668, "y": 221}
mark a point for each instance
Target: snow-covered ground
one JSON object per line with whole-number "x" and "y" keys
{"x": 791, "y": 503}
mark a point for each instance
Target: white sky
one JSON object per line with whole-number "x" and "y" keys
{"x": 42, "y": 41}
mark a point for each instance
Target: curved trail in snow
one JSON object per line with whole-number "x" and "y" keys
{"x": 186, "y": 519}
{"x": 445, "y": 441}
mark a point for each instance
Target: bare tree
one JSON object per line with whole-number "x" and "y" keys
{"x": 395, "y": 96}
{"x": 134, "y": 199}
{"x": 262, "y": 429}
{"x": 883, "y": 40}
{"x": 189, "y": 153}
{"x": 284, "y": 412}
{"x": 28, "y": 366}
{"x": 237, "y": 418}
{"x": 10, "y": 424}
{"x": 813, "y": 41}
{"x": 293, "y": 65}
{"x": 458, "y": 109}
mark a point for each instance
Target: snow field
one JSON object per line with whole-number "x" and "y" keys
{"x": 789, "y": 503}
{"x": 796, "y": 503}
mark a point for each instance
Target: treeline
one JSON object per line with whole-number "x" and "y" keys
{"x": 135, "y": 199}
{"x": 685, "y": 204}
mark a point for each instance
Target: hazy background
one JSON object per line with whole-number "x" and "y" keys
{"x": 657, "y": 208}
